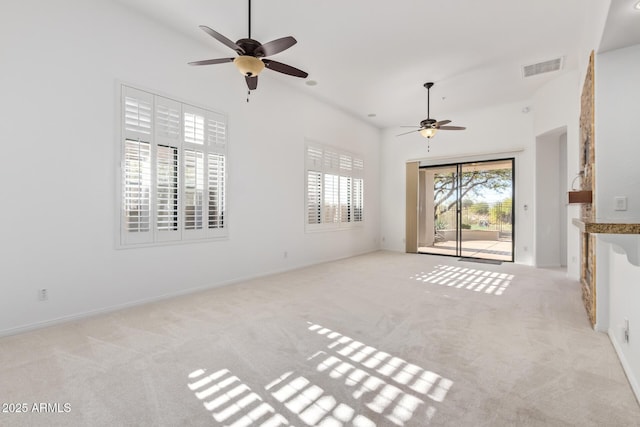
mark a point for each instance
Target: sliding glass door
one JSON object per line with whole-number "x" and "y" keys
{"x": 466, "y": 209}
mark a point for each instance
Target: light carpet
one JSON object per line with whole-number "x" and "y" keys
{"x": 382, "y": 339}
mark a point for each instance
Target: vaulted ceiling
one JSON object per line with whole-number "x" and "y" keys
{"x": 374, "y": 57}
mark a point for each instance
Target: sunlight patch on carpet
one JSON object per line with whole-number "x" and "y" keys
{"x": 471, "y": 279}
{"x": 232, "y": 402}
{"x": 377, "y": 377}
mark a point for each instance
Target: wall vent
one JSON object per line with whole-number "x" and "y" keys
{"x": 542, "y": 67}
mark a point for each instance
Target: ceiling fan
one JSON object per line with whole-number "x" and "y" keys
{"x": 428, "y": 127}
{"x": 251, "y": 59}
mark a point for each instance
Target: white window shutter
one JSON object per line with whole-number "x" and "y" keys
{"x": 216, "y": 131}
{"x": 167, "y": 193}
{"x": 137, "y": 108}
{"x": 330, "y": 200}
{"x": 216, "y": 190}
{"x": 346, "y": 199}
{"x": 358, "y": 167}
{"x": 314, "y": 197}
{"x": 334, "y": 188}
{"x": 136, "y": 192}
{"x": 331, "y": 162}
{"x": 168, "y": 113}
{"x": 194, "y": 125}
{"x": 314, "y": 158}
{"x": 193, "y": 190}
{"x": 358, "y": 199}
{"x": 173, "y": 162}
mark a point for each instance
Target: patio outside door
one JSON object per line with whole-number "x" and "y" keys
{"x": 466, "y": 210}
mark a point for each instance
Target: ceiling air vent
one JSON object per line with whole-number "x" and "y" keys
{"x": 542, "y": 67}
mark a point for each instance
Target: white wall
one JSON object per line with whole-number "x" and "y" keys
{"x": 617, "y": 140}
{"x": 557, "y": 107}
{"x": 617, "y": 147}
{"x": 624, "y": 296}
{"x": 498, "y": 130}
{"x": 60, "y": 63}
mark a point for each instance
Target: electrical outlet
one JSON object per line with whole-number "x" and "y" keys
{"x": 43, "y": 294}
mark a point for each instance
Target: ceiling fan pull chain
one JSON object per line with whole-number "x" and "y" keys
{"x": 248, "y": 93}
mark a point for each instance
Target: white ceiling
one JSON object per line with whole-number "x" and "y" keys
{"x": 374, "y": 57}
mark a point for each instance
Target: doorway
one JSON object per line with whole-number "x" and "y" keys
{"x": 466, "y": 209}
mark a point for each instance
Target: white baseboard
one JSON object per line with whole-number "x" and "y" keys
{"x": 633, "y": 381}
{"x": 110, "y": 309}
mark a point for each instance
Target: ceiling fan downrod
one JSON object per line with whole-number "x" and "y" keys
{"x": 428, "y": 85}
{"x": 249, "y": 19}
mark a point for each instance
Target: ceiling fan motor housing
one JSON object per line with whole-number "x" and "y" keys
{"x": 428, "y": 123}
{"x": 249, "y": 46}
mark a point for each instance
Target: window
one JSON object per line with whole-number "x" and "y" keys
{"x": 173, "y": 170}
{"x": 334, "y": 188}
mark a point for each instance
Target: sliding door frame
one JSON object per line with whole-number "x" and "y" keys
{"x": 458, "y": 184}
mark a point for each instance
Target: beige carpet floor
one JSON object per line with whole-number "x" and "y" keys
{"x": 381, "y": 339}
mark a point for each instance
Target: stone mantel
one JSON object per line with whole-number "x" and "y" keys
{"x": 598, "y": 227}
{"x": 625, "y": 236}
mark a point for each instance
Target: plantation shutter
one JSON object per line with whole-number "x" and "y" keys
{"x": 358, "y": 197}
{"x": 193, "y": 189}
{"x": 358, "y": 189}
{"x": 314, "y": 165}
{"x": 167, "y": 193}
{"x": 194, "y": 126}
{"x": 167, "y": 138}
{"x": 314, "y": 197}
{"x": 195, "y": 173}
{"x": 216, "y": 139}
{"x": 346, "y": 166}
{"x": 216, "y": 166}
{"x": 136, "y": 171}
{"x": 330, "y": 199}
{"x": 334, "y": 188}
{"x": 173, "y": 170}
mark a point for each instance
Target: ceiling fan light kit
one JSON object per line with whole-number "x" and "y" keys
{"x": 428, "y": 132}
{"x": 249, "y": 66}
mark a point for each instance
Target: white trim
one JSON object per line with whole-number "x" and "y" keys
{"x": 633, "y": 381}
{"x": 117, "y": 307}
{"x": 473, "y": 157}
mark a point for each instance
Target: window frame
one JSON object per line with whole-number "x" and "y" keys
{"x": 331, "y": 164}
{"x": 166, "y": 136}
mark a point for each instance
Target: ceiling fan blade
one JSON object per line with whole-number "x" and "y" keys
{"x": 212, "y": 61}
{"x": 284, "y": 68}
{"x": 452, "y": 127}
{"x": 222, "y": 39}
{"x": 252, "y": 82}
{"x": 411, "y": 131}
{"x": 275, "y": 46}
{"x": 442, "y": 122}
